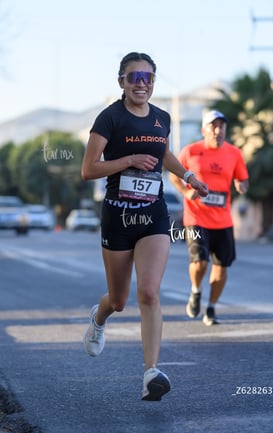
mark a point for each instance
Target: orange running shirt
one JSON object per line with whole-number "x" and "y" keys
{"x": 217, "y": 168}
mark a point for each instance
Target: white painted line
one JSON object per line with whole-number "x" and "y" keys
{"x": 64, "y": 333}
{"x": 255, "y": 307}
{"x": 234, "y": 334}
{"x": 182, "y": 363}
{"x": 122, "y": 332}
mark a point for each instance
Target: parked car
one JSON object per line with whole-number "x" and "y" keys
{"x": 175, "y": 207}
{"x": 13, "y": 214}
{"x": 82, "y": 219}
{"x": 40, "y": 217}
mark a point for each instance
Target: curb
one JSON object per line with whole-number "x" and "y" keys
{"x": 11, "y": 420}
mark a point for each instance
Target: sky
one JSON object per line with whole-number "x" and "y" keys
{"x": 65, "y": 54}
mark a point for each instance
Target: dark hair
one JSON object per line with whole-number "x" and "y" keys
{"x": 135, "y": 57}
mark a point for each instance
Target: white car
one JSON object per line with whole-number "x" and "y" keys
{"x": 13, "y": 214}
{"x": 82, "y": 219}
{"x": 40, "y": 217}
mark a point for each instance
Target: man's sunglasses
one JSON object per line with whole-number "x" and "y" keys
{"x": 136, "y": 77}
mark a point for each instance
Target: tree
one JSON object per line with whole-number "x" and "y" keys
{"x": 6, "y": 186}
{"x": 47, "y": 169}
{"x": 249, "y": 109}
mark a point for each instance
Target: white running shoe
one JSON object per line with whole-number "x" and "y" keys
{"x": 94, "y": 338}
{"x": 155, "y": 384}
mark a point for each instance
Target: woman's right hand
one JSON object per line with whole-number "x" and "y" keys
{"x": 143, "y": 162}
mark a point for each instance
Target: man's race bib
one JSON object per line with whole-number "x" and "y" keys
{"x": 215, "y": 198}
{"x": 139, "y": 185}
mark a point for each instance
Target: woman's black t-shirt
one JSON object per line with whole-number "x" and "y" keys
{"x": 128, "y": 134}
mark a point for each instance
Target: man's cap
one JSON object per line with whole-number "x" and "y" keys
{"x": 212, "y": 115}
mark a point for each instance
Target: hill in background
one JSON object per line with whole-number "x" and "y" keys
{"x": 34, "y": 123}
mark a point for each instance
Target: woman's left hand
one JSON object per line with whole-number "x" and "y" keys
{"x": 199, "y": 186}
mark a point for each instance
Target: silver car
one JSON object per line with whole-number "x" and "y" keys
{"x": 82, "y": 219}
{"x": 40, "y": 217}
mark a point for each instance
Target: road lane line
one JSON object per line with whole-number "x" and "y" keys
{"x": 42, "y": 265}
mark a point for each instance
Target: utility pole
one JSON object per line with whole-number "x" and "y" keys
{"x": 175, "y": 113}
{"x": 261, "y": 47}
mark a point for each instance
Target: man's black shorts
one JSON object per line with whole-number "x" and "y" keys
{"x": 203, "y": 243}
{"x": 124, "y": 223}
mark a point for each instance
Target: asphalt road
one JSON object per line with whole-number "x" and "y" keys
{"x": 221, "y": 376}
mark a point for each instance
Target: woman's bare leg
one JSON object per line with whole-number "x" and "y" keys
{"x": 118, "y": 267}
{"x": 151, "y": 255}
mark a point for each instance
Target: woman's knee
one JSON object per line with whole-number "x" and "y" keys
{"x": 117, "y": 304}
{"x": 119, "y": 308}
{"x": 148, "y": 297}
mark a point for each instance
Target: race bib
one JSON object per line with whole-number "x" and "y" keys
{"x": 216, "y": 199}
{"x": 139, "y": 185}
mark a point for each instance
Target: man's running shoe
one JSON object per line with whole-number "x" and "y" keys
{"x": 193, "y": 305}
{"x": 94, "y": 339}
{"x": 155, "y": 384}
{"x": 209, "y": 318}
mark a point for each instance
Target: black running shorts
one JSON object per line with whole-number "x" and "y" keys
{"x": 203, "y": 243}
{"x": 124, "y": 223}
